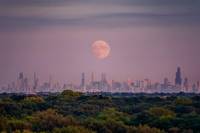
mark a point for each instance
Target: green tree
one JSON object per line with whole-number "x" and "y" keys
{"x": 161, "y": 112}
{"x": 3, "y": 123}
{"x": 70, "y": 93}
{"x": 72, "y": 129}
{"x": 111, "y": 114}
{"x": 147, "y": 129}
{"x": 161, "y": 117}
{"x": 49, "y": 119}
{"x": 183, "y": 101}
{"x": 17, "y": 124}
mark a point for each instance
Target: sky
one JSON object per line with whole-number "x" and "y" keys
{"x": 148, "y": 39}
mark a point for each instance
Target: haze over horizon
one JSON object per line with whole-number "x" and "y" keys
{"x": 148, "y": 39}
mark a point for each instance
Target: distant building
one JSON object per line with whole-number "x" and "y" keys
{"x": 50, "y": 81}
{"x": 35, "y": 81}
{"x": 147, "y": 83}
{"x": 20, "y": 81}
{"x": 83, "y": 81}
{"x": 92, "y": 77}
{"x": 186, "y": 85}
{"x": 21, "y": 75}
{"x": 26, "y": 83}
{"x": 116, "y": 86}
{"x": 198, "y": 86}
{"x": 103, "y": 77}
{"x": 194, "y": 88}
{"x": 178, "y": 79}
{"x": 104, "y": 86}
{"x": 166, "y": 83}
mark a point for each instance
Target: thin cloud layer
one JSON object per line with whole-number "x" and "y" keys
{"x": 95, "y": 13}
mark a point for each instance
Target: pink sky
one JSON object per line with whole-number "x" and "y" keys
{"x": 137, "y": 53}
{"x": 147, "y": 39}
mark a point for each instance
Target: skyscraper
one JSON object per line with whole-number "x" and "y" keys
{"x": 26, "y": 85}
{"x": 166, "y": 83}
{"x": 36, "y": 80}
{"x": 186, "y": 84}
{"x": 194, "y": 88}
{"x": 103, "y": 77}
{"x": 178, "y": 79}
{"x": 198, "y": 85}
{"x": 83, "y": 80}
{"x": 21, "y": 81}
{"x": 92, "y": 77}
{"x": 50, "y": 81}
{"x": 21, "y": 75}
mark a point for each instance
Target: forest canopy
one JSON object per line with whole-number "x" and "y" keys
{"x": 74, "y": 112}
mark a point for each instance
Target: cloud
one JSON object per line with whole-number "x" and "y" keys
{"x": 102, "y": 20}
{"x": 96, "y": 13}
{"x": 123, "y": 2}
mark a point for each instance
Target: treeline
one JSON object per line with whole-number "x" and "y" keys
{"x": 73, "y": 112}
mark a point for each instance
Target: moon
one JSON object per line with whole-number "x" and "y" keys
{"x": 100, "y": 49}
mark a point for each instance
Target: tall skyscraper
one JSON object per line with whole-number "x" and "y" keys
{"x": 83, "y": 80}
{"x": 21, "y": 81}
{"x": 50, "y": 81}
{"x": 198, "y": 86}
{"x": 21, "y": 75}
{"x": 186, "y": 84}
{"x": 147, "y": 83}
{"x": 35, "y": 81}
{"x": 92, "y": 77}
{"x": 178, "y": 79}
{"x": 166, "y": 83}
{"x": 26, "y": 85}
{"x": 103, "y": 77}
{"x": 194, "y": 89}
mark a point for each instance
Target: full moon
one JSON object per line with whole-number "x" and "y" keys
{"x": 100, "y": 49}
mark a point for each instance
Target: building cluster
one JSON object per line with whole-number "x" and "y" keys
{"x": 23, "y": 85}
{"x": 140, "y": 86}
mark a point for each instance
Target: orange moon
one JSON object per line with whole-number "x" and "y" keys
{"x": 100, "y": 49}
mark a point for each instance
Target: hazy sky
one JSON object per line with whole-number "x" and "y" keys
{"x": 148, "y": 38}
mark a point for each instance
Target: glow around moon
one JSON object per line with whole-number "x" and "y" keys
{"x": 100, "y": 49}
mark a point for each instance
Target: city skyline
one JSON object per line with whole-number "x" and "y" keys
{"x": 97, "y": 76}
{"x": 33, "y": 86}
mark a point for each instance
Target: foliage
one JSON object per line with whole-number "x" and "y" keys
{"x": 74, "y": 112}
{"x": 33, "y": 99}
{"x": 49, "y": 119}
{"x": 161, "y": 112}
{"x": 183, "y": 101}
{"x": 70, "y": 93}
{"x": 111, "y": 114}
{"x": 147, "y": 129}
{"x": 72, "y": 129}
